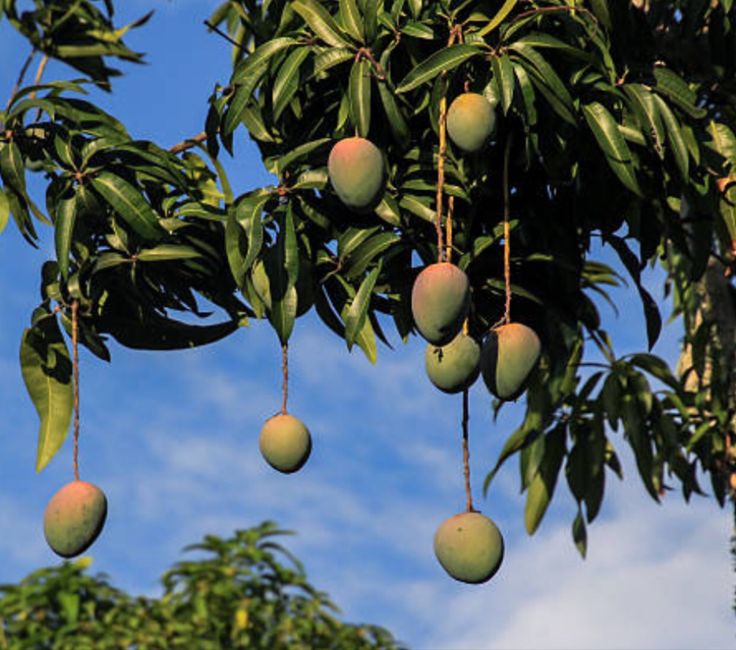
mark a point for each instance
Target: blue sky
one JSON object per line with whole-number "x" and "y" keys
{"x": 172, "y": 439}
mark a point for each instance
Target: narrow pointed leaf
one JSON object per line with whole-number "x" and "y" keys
{"x": 259, "y": 58}
{"x": 286, "y": 84}
{"x": 66, "y": 215}
{"x": 503, "y": 70}
{"x": 351, "y": 19}
{"x": 129, "y": 203}
{"x": 499, "y": 17}
{"x": 614, "y": 147}
{"x": 360, "y": 97}
{"x": 320, "y": 22}
{"x": 4, "y": 210}
{"x": 674, "y": 138}
{"x": 358, "y": 311}
{"x": 442, "y": 61}
{"x": 47, "y": 373}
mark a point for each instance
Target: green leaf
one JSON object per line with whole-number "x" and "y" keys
{"x": 235, "y": 247}
{"x": 543, "y": 484}
{"x": 4, "y": 210}
{"x": 351, "y": 19}
{"x": 320, "y": 22}
{"x": 66, "y": 215}
{"x": 579, "y": 534}
{"x": 129, "y": 203}
{"x": 503, "y": 71}
{"x": 12, "y": 168}
{"x": 675, "y": 88}
{"x": 235, "y": 109}
{"x": 498, "y": 18}
{"x": 47, "y": 373}
{"x": 168, "y": 252}
{"x": 360, "y": 97}
{"x": 547, "y": 81}
{"x": 614, "y": 147}
{"x": 656, "y": 367}
{"x": 282, "y": 269}
{"x": 417, "y": 207}
{"x": 542, "y": 40}
{"x": 366, "y": 341}
{"x": 359, "y": 260}
{"x": 642, "y": 101}
{"x": 418, "y": 30}
{"x": 330, "y": 58}
{"x": 258, "y": 60}
{"x": 286, "y": 84}
{"x": 395, "y": 118}
{"x": 358, "y": 311}
{"x": 442, "y": 61}
{"x": 674, "y": 137}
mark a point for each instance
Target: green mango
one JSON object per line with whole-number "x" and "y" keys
{"x": 469, "y": 547}
{"x": 470, "y": 121}
{"x": 453, "y": 367}
{"x": 285, "y": 443}
{"x": 440, "y": 299}
{"x": 509, "y": 354}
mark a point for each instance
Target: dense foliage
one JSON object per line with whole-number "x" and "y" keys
{"x": 617, "y": 119}
{"x": 246, "y": 591}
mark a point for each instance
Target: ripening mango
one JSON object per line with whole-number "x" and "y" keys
{"x": 470, "y": 121}
{"x": 74, "y": 518}
{"x": 469, "y": 547}
{"x": 509, "y": 354}
{"x": 440, "y": 299}
{"x": 453, "y": 367}
{"x": 356, "y": 171}
{"x": 285, "y": 443}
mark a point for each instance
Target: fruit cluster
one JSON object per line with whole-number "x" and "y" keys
{"x": 468, "y": 545}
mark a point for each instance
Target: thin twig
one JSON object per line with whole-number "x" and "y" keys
{"x": 189, "y": 143}
{"x": 39, "y": 73}
{"x": 441, "y": 154}
{"x": 365, "y": 52}
{"x": 442, "y": 127}
{"x": 218, "y": 31}
{"x": 75, "y": 381}
{"x": 466, "y": 454}
{"x": 448, "y": 228}
{"x": 284, "y": 377}
{"x": 507, "y": 231}
{"x": 37, "y": 80}
{"x": 21, "y": 76}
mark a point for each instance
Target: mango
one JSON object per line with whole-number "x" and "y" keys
{"x": 440, "y": 299}
{"x": 285, "y": 443}
{"x": 509, "y": 354}
{"x": 470, "y": 121}
{"x": 453, "y": 367}
{"x": 74, "y": 517}
{"x": 469, "y": 547}
{"x": 356, "y": 170}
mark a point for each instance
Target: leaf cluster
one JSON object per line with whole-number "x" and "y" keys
{"x": 245, "y": 591}
{"x": 621, "y": 138}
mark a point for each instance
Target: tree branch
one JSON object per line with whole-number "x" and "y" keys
{"x": 189, "y": 143}
{"x": 21, "y": 76}
{"x": 218, "y": 31}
